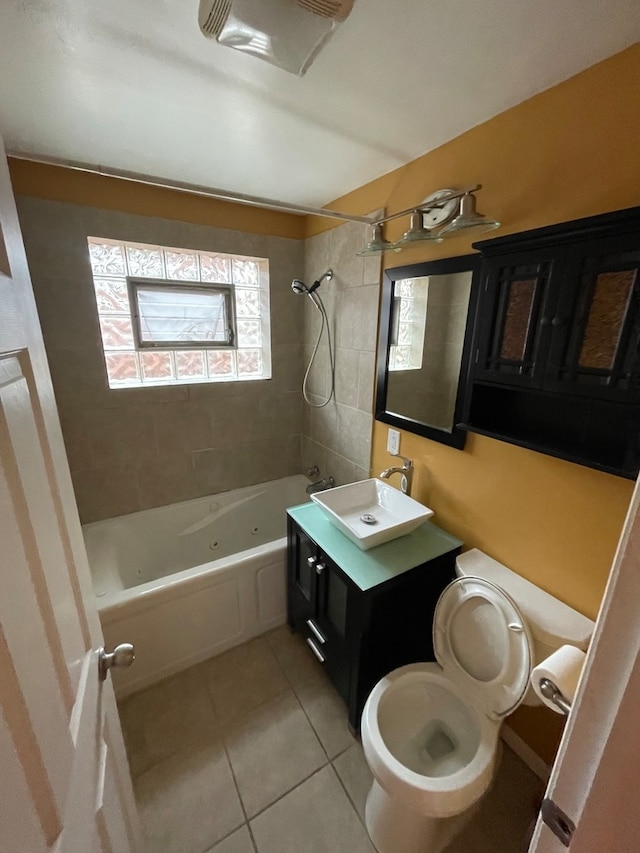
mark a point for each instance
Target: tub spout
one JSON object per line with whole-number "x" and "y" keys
{"x": 407, "y": 475}
{"x": 321, "y": 485}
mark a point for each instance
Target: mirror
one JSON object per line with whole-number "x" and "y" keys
{"x": 426, "y": 324}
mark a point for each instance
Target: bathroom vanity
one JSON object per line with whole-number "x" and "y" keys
{"x": 364, "y": 613}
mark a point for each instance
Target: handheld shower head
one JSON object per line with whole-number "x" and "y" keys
{"x": 299, "y": 286}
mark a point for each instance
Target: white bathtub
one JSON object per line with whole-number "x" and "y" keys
{"x": 187, "y": 581}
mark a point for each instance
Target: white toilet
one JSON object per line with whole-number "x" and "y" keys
{"x": 430, "y": 730}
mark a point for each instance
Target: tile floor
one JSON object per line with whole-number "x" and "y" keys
{"x": 250, "y": 752}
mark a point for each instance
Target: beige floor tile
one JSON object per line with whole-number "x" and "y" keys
{"x": 353, "y": 770}
{"x": 242, "y": 678}
{"x": 166, "y": 719}
{"x": 272, "y": 749}
{"x": 238, "y": 842}
{"x": 295, "y": 657}
{"x": 327, "y": 714}
{"x": 316, "y": 817}
{"x": 189, "y": 801}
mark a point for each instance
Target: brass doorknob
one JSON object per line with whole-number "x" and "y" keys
{"x": 123, "y": 655}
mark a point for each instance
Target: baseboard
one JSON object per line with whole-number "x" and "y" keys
{"x": 524, "y": 752}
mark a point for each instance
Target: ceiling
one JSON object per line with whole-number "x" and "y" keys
{"x": 133, "y": 85}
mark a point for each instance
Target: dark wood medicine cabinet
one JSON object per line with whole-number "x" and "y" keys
{"x": 551, "y": 353}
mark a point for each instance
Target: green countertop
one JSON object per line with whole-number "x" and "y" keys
{"x": 370, "y": 568}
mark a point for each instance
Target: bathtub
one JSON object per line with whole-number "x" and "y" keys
{"x": 187, "y": 581}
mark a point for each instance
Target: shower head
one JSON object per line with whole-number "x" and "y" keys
{"x": 299, "y": 286}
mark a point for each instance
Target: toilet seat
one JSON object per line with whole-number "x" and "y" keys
{"x": 483, "y": 644}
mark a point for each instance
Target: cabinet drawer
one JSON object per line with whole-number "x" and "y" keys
{"x": 331, "y": 654}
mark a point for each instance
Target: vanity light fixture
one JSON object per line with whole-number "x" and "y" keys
{"x": 442, "y": 214}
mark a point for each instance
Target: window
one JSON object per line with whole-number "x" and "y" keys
{"x": 409, "y": 323}
{"x": 172, "y": 316}
{"x": 180, "y": 315}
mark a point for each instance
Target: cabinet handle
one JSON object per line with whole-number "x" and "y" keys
{"x": 311, "y": 561}
{"x": 320, "y": 567}
{"x": 558, "y": 321}
{"x": 316, "y": 631}
{"x": 315, "y": 650}
{"x": 545, "y": 321}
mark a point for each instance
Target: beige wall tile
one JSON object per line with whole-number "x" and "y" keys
{"x": 366, "y": 381}
{"x": 105, "y": 491}
{"x": 166, "y": 480}
{"x": 357, "y": 318}
{"x": 133, "y": 448}
{"x": 347, "y": 375}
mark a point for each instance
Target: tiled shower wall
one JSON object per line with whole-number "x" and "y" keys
{"x": 337, "y": 437}
{"x": 131, "y": 449}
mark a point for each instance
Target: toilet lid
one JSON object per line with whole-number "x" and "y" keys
{"x": 483, "y": 644}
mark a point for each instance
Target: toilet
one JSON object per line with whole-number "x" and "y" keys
{"x": 430, "y": 731}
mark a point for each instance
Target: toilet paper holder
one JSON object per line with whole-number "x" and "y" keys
{"x": 550, "y": 691}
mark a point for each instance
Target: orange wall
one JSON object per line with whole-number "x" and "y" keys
{"x": 571, "y": 151}
{"x": 62, "y": 184}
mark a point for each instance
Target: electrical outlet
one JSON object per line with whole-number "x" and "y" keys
{"x": 393, "y": 442}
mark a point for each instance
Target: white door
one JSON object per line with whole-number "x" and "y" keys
{"x": 595, "y": 778}
{"x": 64, "y": 781}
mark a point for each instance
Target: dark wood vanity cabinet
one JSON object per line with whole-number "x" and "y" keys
{"x": 358, "y": 634}
{"x": 556, "y": 354}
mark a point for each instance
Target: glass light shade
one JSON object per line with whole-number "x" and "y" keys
{"x": 469, "y": 219}
{"x": 377, "y": 244}
{"x": 417, "y": 233}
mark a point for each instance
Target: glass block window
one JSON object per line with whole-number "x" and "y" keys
{"x": 409, "y": 322}
{"x": 170, "y": 316}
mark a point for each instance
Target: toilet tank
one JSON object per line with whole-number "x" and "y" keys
{"x": 551, "y": 622}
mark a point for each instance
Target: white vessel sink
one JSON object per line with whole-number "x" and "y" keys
{"x": 371, "y": 512}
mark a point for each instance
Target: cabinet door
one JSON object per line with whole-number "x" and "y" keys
{"x": 332, "y": 607}
{"x": 302, "y": 558}
{"x": 516, "y": 306}
{"x": 596, "y": 325}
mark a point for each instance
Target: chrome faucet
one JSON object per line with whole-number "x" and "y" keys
{"x": 407, "y": 475}
{"x": 321, "y": 485}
